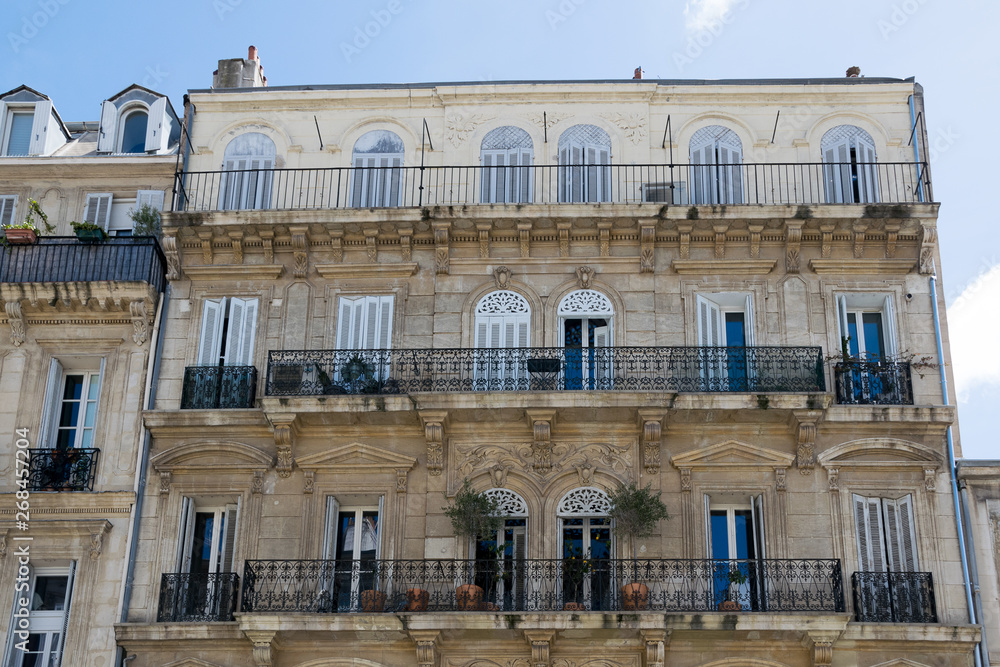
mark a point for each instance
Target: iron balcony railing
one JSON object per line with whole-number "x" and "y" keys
{"x": 333, "y": 586}
{"x": 678, "y": 184}
{"x": 894, "y": 597}
{"x": 62, "y": 469}
{"x": 218, "y": 387}
{"x": 873, "y": 383}
{"x": 67, "y": 259}
{"x": 198, "y": 597}
{"x": 693, "y": 369}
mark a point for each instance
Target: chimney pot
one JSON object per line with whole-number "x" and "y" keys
{"x": 638, "y": 73}
{"x": 252, "y": 53}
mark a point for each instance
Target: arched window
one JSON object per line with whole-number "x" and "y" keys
{"x": 503, "y": 321}
{"x": 716, "y": 174}
{"x": 584, "y": 164}
{"x": 849, "y": 170}
{"x": 585, "y": 330}
{"x": 506, "y": 156}
{"x": 249, "y": 166}
{"x": 377, "y": 179}
{"x": 133, "y": 132}
{"x": 499, "y": 569}
{"x": 586, "y": 535}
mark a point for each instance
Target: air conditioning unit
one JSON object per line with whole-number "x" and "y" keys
{"x": 664, "y": 193}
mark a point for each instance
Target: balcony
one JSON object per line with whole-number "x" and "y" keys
{"x": 198, "y": 598}
{"x": 66, "y": 259}
{"x": 893, "y": 597}
{"x": 677, "y": 184}
{"x": 873, "y": 383}
{"x": 219, "y": 387}
{"x": 683, "y": 586}
{"x": 689, "y": 369}
{"x": 62, "y": 469}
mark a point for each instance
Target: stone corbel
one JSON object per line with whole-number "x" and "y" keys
{"x": 805, "y": 454}
{"x": 285, "y": 428}
{"x": 140, "y": 323}
{"x": 651, "y": 425}
{"x": 793, "y": 246}
{"x": 309, "y": 482}
{"x": 604, "y": 229}
{"x": 524, "y": 238}
{"x": 820, "y": 642}
{"x": 371, "y": 239}
{"x": 826, "y": 230}
{"x": 781, "y": 479}
{"x": 401, "y": 480}
{"x": 584, "y": 277}
{"x": 541, "y": 647}
{"x": 426, "y": 641}
{"x": 860, "y": 229}
{"x": 406, "y": 243}
{"x": 257, "y": 482}
{"x": 684, "y": 239}
{"x": 300, "y": 250}
{"x": 833, "y": 477}
{"x": 928, "y": 240}
{"x": 720, "y": 240}
{"x": 206, "y": 245}
{"x": 165, "y": 479}
{"x": 564, "y": 228}
{"x": 262, "y": 651}
{"x": 337, "y": 245}
{"x": 686, "y": 479}
{"x": 891, "y": 234}
{"x": 541, "y": 422}
{"x": 434, "y": 425}
{"x": 656, "y": 641}
{"x": 484, "y": 239}
{"x": 236, "y": 238}
{"x": 97, "y": 539}
{"x": 647, "y": 245}
{"x": 501, "y": 276}
{"x": 267, "y": 239}
{"x": 930, "y": 478}
{"x": 442, "y": 260}
{"x": 169, "y": 244}
{"x": 16, "y": 320}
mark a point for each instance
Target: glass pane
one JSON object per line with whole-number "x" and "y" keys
{"x": 744, "y": 536}
{"x": 735, "y": 330}
{"x": 573, "y": 538}
{"x": 134, "y": 135}
{"x": 87, "y": 439}
{"x": 95, "y": 384}
{"x": 600, "y": 542}
{"x": 91, "y": 414}
{"x": 720, "y": 535}
{"x": 50, "y": 593}
{"x": 65, "y": 438}
{"x": 201, "y": 547}
{"x": 345, "y": 536}
{"x": 70, "y": 414}
{"x": 852, "y": 331}
{"x": 369, "y": 535}
{"x": 874, "y": 342}
{"x": 74, "y": 387}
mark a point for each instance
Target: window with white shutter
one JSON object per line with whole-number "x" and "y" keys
{"x": 886, "y": 534}
{"x": 584, "y": 164}
{"x": 377, "y": 177}
{"x": 506, "y": 158}
{"x": 248, "y": 167}
{"x": 132, "y": 128}
{"x": 49, "y": 596}
{"x": 716, "y": 171}
{"x": 18, "y": 125}
{"x": 70, "y": 407}
{"x": 868, "y": 324}
{"x": 98, "y": 209}
{"x": 502, "y": 321}
{"x": 228, "y": 331}
{"x": 365, "y": 323}
{"x": 8, "y": 209}
{"x": 725, "y": 324}
{"x": 849, "y": 166}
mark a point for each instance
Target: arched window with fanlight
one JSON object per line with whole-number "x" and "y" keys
{"x": 716, "y": 166}
{"x": 132, "y": 132}
{"x": 502, "y": 323}
{"x": 506, "y": 175}
{"x": 248, "y": 171}
{"x": 585, "y": 318}
{"x": 500, "y": 558}
{"x": 849, "y": 172}
{"x": 377, "y": 177}
{"x": 584, "y": 165}
{"x": 585, "y": 532}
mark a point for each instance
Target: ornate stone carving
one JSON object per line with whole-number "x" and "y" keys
{"x": 585, "y": 302}
{"x": 3, "y": 544}
{"x": 337, "y": 245}
{"x": 236, "y": 239}
{"x": 805, "y": 453}
{"x": 406, "y": 243}
{"x": 267, "y": 240}
{"x": 755, "y": 231}
{"x": 97, "y": 540}
{"x": 541, "y": 644}
{"x": 559, "y": 456}
{"x": 300, "y": 250}
{"x": 833, "y": 475}
{"x": 928, "y": 240}
{"x": 548, "y": 120}
{"x": 261, "y": 640}
{"x": 509, "y": 503}
{"x": 140, "y": 329}
{"x": 502, "y": 302}
{"x": 501, "y": 275}
{"x": 458, "y": 127}
{"x": 285, "y": 460}
{"x": 309, "y": 485}
{"x": 634, "y": 124}
{"x": 165, "y": 482}
{"x": 257, "y": 483}
{"x": 720, "y": 240}
{"x": 793, "y": 246}
{"x": 586, "y": 473}
{"x": 498, "y": 473}
{"x": 655, "y": 646}
{"x": 827, "y": 239}
{"x": 400, "y": 480}
{"x": 434, "y": 434}
{"x": 860, "y": 229}
{"x": 284, "y": 438}
{"x": 426, "y": 641}
{"x": 584, "y": 276}
{"x": 441, "y": 253}
{"x": 780, "y": 478}
{"x": 484, "y": 239}
{"x": 684, "y": 240}
{"x": 685, "y": 479}
{"x": 16, "y": 320}
{"x": 524, "y": 238}
{"x": 891, "y": 236}
{"x": 169, "y": 244}
{"x": 930, "y": 479}
{"x": 371, "y": 237}
{"x": 564, "y": 228}
{"x": 647, "y": 243}
{"x": 604, "y": 230}
{"x": 652, "y": 434}
{"x": 822, "y": 654}
{"x": 206, "y": 245}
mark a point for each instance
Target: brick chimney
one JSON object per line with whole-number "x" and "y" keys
{"x": 638, "y": 73}
{"x": 240, "y": 73}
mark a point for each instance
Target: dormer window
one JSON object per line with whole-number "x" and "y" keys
{"x": 17, "y": 131}
{"x": 29, "y": 125}
{"x": 137, "y": 121}
{"x": 132, "y": 135}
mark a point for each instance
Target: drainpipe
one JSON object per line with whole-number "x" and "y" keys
{"x": 974, "y": 571}
{"x": 143, "y": 460}
{"x": 954, "y": 483}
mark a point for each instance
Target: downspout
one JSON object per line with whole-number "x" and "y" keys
{"x": 954, "y": 481}
{"x": 974, "y": 570}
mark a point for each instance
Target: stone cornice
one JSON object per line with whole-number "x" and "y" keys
{"x": 724, "y": 266}
{"x": 235, "y": 271}
{"x": 366, "y": 271}
{"x": 874, "y": 266}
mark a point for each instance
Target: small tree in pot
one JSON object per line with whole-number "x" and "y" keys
{"x": 635, "y": 511}
{"x": 473, "y": 515}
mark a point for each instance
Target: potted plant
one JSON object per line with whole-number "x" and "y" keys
{"x": 735, "y": 578}
{"x": 634, "y": 512}
{"x": 472, "y": 515}
{"x": 27, "y": 231}
{"x": 575, "y": 568}
{"x": 88, "y": 232}
{"x": 145, "y": 221}
{"x": 359, "y": 376}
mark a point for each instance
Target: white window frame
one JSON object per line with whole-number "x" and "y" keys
{"x": 8, "y": 209}
{"x": 8, "y": 125}
{"x": 330, "y": 571}
{"x": 882, "y": 528}
{"x": 120, "y": 127}
{"x": 858, "y": 304}
{"x": 51, "y": 624}
{"x": 377, "y": 178}
{"x": 53, "y": 404}
{"x": 98, "y": 209}
{"x": 237, "y": 318}
{"x": 716, "y": 166}
{"x": 365, "y": 322}
{"x": 842, "y": 169}
{"x": 222, "y": 550}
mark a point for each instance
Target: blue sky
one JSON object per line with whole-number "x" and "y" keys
{"x": 80, "y": 53}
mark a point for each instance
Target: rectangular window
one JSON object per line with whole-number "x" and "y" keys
{"x": 351, "y": 549}
{"x": 725, "y": 322}
{"x": 50, "y": 590}
{"x": 886, "y": 534}
{"x": 365, "y": 323}
{"x": 8, "y": 209}
{"x": 17, "y": 132}
{"x": 735, "y": 534}
{"x": 71, "y": 404}
{"x": 98, "y": 209}
{"x": 228, "y": 329}
{"x": 867, "y": 324}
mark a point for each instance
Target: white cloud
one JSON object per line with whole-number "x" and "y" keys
{"x": 974, "y": 325}
{"x": 706, "y": 14}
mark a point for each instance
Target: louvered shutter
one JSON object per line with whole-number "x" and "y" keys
{"x": 869, "y": 531}
{"x": 39, "y": 127}
{"x": 157, "y": 127}
{"x": 359, "y": 177}
{"x": 843, "y": 330}
{"x": 891, "y": 335}
{"x": 240, "y": 336}
{"x": 67, "y": 606}
{"x": 378, "y": 527}
{"x": 109, "y": 127}
{"x": 8, "y": 208}
{"x": 708, "y": 526}
{"x": 900, "y": 534}
{"x": 525, "y": 180}
{"x": 50, "y": 410}
{"x": 867, "y": 171}
{"x": 98, "y": 209}
{"x": 232, "y": 514}
{"x": 701, "y": 174}
{"x": 565, "y": 175}
{"x": 210, "y": 343}
{"x": 488, "y": 178}
{"x": 709, "y": 322}
{"x": 748, "y": 322}
{"x": 330, "y": 532}
{"x": 757, "y": 518}
{"x": 185, "y": 535}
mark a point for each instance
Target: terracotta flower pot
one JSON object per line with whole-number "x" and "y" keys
{"x": 635, "y": 596}
{"x": 730, "y": 605}
{"x": 417, "y": 599}
{"x": 372, "y": 600}
{"x": 21, "y": 236}
{"x": 468, "y": 597}
{"x": 574, "y": 606}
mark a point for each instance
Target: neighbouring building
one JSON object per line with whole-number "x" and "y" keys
{"x": 75, "y": 358}
{"x": 721, "y": 289}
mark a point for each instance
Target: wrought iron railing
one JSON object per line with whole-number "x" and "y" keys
{"x": 67, "y": 259}
{"x": 218, "y": 387}
{"x": 62, "y": 469}
{"x": 331, "y": 586}
{"x": 894, "y": 597}
{"x": 873, "y": 383}
{"x": 201, "y": 598}
{"x": 695, "y": 369}
{"x": 678, "y": 184}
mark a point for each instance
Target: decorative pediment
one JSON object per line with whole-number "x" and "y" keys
{"x": 900, "y": 662}
{"x": 211, "y": 456}
{"x": 885, "y": 453}
{"x": 732, "y": 454}
{"x": 192, "y": 662}
{"x": 356, "y": 457}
